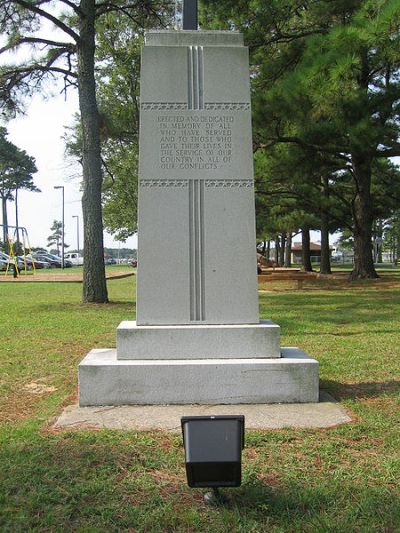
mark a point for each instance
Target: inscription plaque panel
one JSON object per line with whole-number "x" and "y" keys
{"x": 196, "y": 143}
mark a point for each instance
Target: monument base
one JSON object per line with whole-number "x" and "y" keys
{"x": 106, "y": 380}
{"x": 200, "y": 341}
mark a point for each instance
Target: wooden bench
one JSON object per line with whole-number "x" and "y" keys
{"x": 285, "y": 276}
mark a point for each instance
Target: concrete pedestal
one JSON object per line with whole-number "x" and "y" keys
{"x": 106, "y": 380}
{"x": 198, "y": 342}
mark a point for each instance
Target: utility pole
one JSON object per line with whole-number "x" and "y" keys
{"x": 77, "y": 230}
{"x": 62, "y": 238}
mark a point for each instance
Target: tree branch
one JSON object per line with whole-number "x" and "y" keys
{"x": 76, "y": 8}
{"x": 389, "y": 152}
{"x": 37, "y": 40}
{"x": 337, "y": 152}
{"x": 34, "y": 9}
{"x": 109, "y": 8}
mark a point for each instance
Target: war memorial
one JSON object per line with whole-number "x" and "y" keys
{"x": 197, "y": 338}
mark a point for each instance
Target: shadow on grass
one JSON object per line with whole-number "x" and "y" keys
{"x": 317, "y": 505}
{"x": 346, "y": 391}
{"x": 92, "y": 482}
{"x": 66, "y": 306}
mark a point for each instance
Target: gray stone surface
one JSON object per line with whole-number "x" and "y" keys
{"x": 202, "y": 341}
{"x": 327, "y": 413}
{"x": 196, "y": 227}
{"x": 105, "y": 380}
{"x": 197, "y": 337}
{"x": 193, "y": 38}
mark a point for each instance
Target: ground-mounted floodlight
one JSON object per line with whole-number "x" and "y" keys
{"x": 213, "y": 451}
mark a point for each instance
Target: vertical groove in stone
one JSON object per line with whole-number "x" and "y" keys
{"x": 202, "y": 252}
{"x": 196, "y": 250}
{"x": 195, "y": 71}
{"x": 191, "y": 252}
{"x": 190, "y": 77}
{"x": 201, "y": 77}
{"x": 196, "y": 195}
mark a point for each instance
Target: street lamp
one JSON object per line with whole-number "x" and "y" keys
{"x": 77, "y": 230}
{"x": 62, "y": 241}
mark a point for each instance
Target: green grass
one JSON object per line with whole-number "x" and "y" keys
{"x": 343, "y": 479}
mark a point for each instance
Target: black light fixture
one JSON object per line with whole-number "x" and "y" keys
{"x": 213, "y": 452}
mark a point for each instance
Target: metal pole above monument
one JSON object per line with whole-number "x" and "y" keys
{"x": 190, "y": 15}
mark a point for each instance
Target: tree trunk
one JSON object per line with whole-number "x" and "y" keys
{"x": 288, "y": 251}
{"x": 379, "y": 234}
{"x": 398, "y": 239}
{"x": 305, "y": 250}
{"x": 362, "y": 219}
{"x": 94, "y": 279}
{"x": 264, "y": 247}
{"x": 325, "y": 266}
{"x": 277, "y": 248}
{"x": 268, "y": 251}
{"x": 5, "y": 219}
{"x": 282, "y": 250}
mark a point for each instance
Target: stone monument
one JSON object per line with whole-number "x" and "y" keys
{"x": 197, "y": 336}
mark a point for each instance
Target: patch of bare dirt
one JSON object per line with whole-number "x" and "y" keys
{"x": 64, "y": 278}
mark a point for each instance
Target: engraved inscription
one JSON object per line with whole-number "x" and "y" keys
{"x": 195, "y": 142}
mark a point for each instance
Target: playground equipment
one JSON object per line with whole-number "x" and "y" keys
{"x": 12, "y": 241}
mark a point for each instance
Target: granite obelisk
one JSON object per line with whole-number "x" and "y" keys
{"x": 197, "y": 336}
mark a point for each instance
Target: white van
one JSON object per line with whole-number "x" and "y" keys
{"x": 75, "y": 258}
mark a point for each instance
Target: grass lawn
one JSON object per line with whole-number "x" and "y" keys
{"x": 344, "y": 479}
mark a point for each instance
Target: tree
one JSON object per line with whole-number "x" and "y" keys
{"x": 56, "y": 237}
{"x": 295, "y": 190}
{"x": 325, "y": 77}
{"x": 16, "y": 172}
{"x": 72, "y": 57}
{"x": 119, "y": 42}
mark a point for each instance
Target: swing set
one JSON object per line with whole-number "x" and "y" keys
{"x": 12, "y": 241}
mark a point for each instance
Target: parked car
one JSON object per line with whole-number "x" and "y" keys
{"x": 11, "y": 260}
{"x": 30, "y": 260}
{"x": 54, "y": 260}
{"x": 75, "y": 258}
{"x": 54, "y": 263}
{"x": 3, "y": 264}
{"x": 110, "y": 261}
